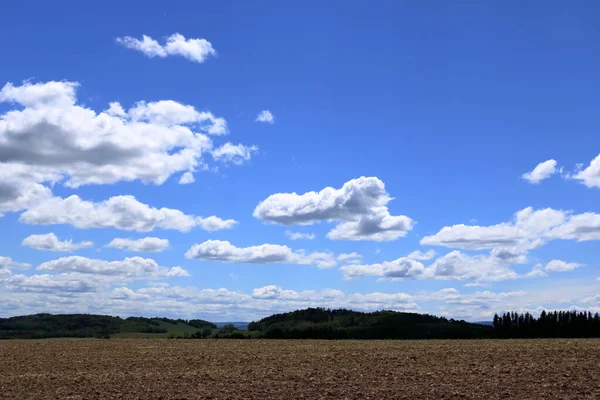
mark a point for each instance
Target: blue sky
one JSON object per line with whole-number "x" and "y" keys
{"x": 422, "y": 120}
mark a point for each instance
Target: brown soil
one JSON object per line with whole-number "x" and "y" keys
{"x": 257, "y": 369}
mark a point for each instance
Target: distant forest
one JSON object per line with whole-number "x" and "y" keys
{"x": 311, "y": 323}
{"x": 554, "y": 324}
{"x": 320, "y": 323}
{"x": 41, "y": 326}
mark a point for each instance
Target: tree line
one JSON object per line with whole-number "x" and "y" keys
{"x": 40, "y": 326}
{"x": 551, "y": 324}
{"x": 321, "y": 323}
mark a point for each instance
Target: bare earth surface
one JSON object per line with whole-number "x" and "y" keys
{"x": 256, "y": 369}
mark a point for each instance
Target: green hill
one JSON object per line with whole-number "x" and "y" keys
{"x": 320, "y": 323}
{"x": 39, "y": 326}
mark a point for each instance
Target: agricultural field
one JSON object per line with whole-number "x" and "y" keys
{"x": 295, "y": 369}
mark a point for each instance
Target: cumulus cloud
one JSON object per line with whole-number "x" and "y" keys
{"x": 589, "y": 176}
{"x": 332, "y": 298}
{"x": 233, "y": 153}
{"x": 543, "y": 170}
{"x": 124, "y": 293}
{"x": 452, "y": 266}
{"x": 359, "y": 207}
{"x": 46, "y": 283}
{"x": 350, "y": 258}
{"x": 121, "y": 212}
{"x": 402, "y": 268}
{"x": 220, "y": 250}
{"x": 18, "y": 192}
{"x": 147, "y": 244}
{"x": 561, "y": 266}
{"x": 130, "y": 268}
{"x": 528, "y": 230}
{"x": 485, "y": 299}
{"x": 212, "y": 223}
{"x": 196, "y": 50}
{"x": 51, "y": 139}
{"x": 50, "y": 242}
{"x": 265, "y": 116}
{"x": 422, "y": 255}
{"x": 299, "y": 235}
{"x": 7, "y": 265}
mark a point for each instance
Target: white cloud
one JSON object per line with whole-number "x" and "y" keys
{"x": 7, "y": 265}
{"x": 52, "y": 139}
{"x": 213, "y": 223}
{"x": 196, "y": 50}
{"x": 124, "y": 293}
{"x": 223, "y": 251}
{"x": 265, "y": 116}
{"x": 452, "y": 266}
{"x": 476, "y": 284}
{"x": 130, "y": 268}
{"x": 543, "y": 170}
{"x": 299, "y": 235}
{"x": 147, "y": 244}
{"x": 359, "y": 206}
{"x": 50, "y": 242}
{"x": 528, "y": 230}
{"x": 46, "y": 283}
{"x": 350, "y": 258}
{"x": 453, "y": 296}
{"x": 422, "y": 255}
{"x": 561, "y": 266}
{"x": 17, "y": 192}
{"x": 589, "y": 176}
{"x": 580, "y": 227}
{"x": 536, "y": 272}
{"x": 172, "y": 113}
{"x": 457, "y": 265}
{"x": 187, "y": 178}
{"x": 402, "y": 268}
{"x": 121, "y": 212}
{"x": 276, "y": 297}
{"x": 233, "y": 153}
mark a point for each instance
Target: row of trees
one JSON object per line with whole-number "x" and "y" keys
{"x": 553, "y": 324}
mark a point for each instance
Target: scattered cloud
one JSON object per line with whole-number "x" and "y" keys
{"x": 299, "y": 235}
{"x": 233, "y": 153}
{"x": 422, "y": 255}
{"x": 528, "y": 230}
{"x": 121, "y": 212}
{"x": 476, "y": 284}
{"x": 359, "y": 207}
{"x": 589, "y": 176}
{"x": 350, "y": 258}
{"x": 143, "y": 245}
{"x": 223, "y": 251}
{"x": 50, "y": 139}
{"x": 45, "y": 283}
{"x": 561, "y": 266}
{"x": 212, "y": 223}
{"x": 50, "y": 242}
{"x": 265, "y": 116}
{"x": 124, "y": 293}
{"x": 187, "y": 178}
{"x": 130, "y": 268}
{"x": 452, "y": 266}
{"x": 196, "y": 50}
{"x": 543, "y": 170}
{"x": 7, "y": 265}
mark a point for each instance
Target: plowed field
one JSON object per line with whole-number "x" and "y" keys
{"x": 257, "y": 369}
